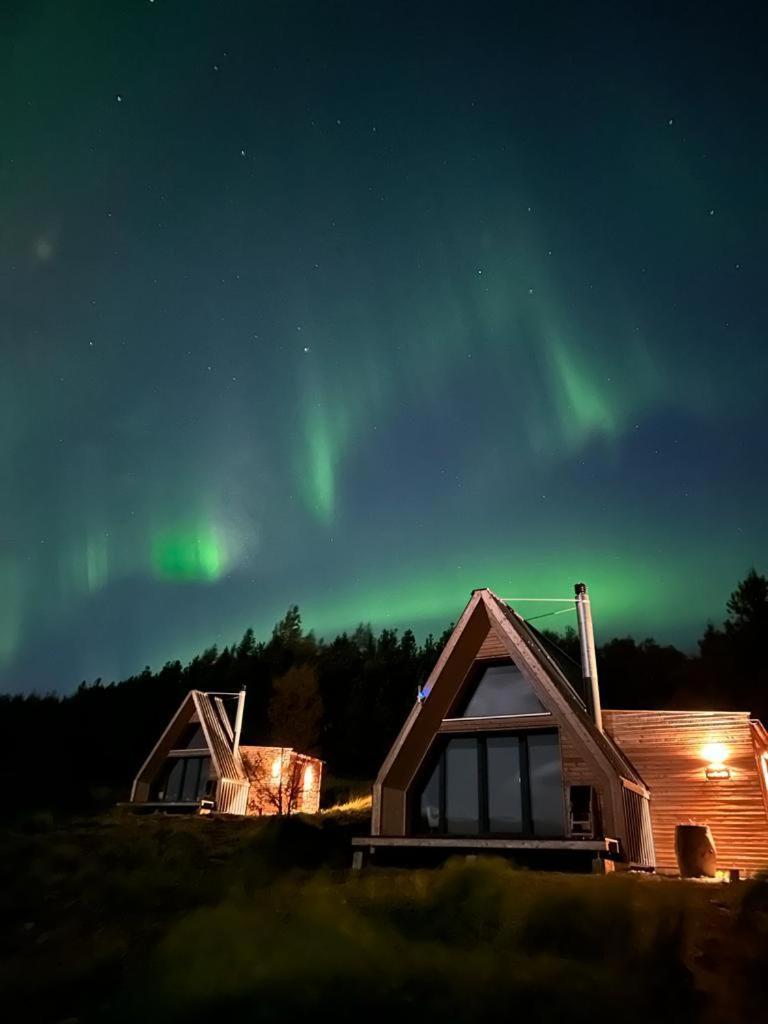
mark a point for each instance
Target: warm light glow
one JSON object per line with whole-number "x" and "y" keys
{"x": 277, "y": 766}
{"x": 309, "y": 777}
{"x": 715, "y": 753}
{"x": 764, "y": 760}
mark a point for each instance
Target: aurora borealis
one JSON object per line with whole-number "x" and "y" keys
{"x": 360, "y": 306}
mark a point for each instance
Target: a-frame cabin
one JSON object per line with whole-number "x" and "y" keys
{"x": 199, "y": 765}
{"x": 502, "y": 752}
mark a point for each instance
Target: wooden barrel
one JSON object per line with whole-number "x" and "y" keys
{"x": 695, "y": 851}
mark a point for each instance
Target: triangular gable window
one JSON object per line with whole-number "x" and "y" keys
{"x": 503, "y": 690}
{"x": 192, "y": 738}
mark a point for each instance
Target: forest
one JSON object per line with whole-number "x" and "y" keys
{"x": 343, "y": 699}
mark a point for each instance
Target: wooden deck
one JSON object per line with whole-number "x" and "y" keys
{"x": 607, "y": 845}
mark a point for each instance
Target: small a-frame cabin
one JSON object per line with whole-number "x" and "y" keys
{"x": 503, "y": 753}
{"x": 200, "y": 765}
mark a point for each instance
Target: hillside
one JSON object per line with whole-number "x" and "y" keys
{"x": 123, "y": 919}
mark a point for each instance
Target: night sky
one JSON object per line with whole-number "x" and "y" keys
{"x": 360, "y": 305}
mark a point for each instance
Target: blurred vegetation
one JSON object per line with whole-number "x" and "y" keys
{"x": 169, "y": 919}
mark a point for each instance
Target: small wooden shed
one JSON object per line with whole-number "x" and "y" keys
{"x": 503, "y": 752}
{"x": 199, "y": 764}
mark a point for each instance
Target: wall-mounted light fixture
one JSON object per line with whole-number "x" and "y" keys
{"x": 716, "y": 755}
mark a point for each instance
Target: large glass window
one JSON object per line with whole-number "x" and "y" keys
{"x": 503, "y": 690}
{"x": 429, "y": 803}
{"x": 184, "y": 779}
{"x": 546, "y": 782}
{"x": 191, "y": 778}
{"x": 498, "y": 784}
{"x": 192, "y": 738}
{"x": 505, "y": 784}
{"x": 175, "y": 776}
{"x": 462, "y": 803}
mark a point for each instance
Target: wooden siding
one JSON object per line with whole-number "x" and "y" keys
{"x": 639, "y": 849}
{"x": 492, "y": 647}
{"x": 666, "y": 748}
{"x": 231, "y": 797}
{"x": 578, "y": 770}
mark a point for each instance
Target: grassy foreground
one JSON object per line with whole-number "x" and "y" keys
{"x": 147, "y": 919}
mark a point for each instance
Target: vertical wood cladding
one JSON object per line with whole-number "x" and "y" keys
{"x": 666, "y": 749}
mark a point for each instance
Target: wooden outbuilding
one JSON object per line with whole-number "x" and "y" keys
{"x": 200, "y": 765}
{"x": 504, "y": 752}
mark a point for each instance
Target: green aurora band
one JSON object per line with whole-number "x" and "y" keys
{"x": 366, "y": 349}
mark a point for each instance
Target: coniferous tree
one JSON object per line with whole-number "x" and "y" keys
{"x": 296, "y": 710}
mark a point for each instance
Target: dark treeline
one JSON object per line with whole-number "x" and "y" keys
{"x": 344, "y": 699}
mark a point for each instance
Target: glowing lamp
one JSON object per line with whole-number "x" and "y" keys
{"x": 715, "y": 753}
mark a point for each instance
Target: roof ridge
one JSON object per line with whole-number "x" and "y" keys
{"x": 611, "y": 750}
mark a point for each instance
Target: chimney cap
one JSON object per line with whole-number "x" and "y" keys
{"x": 580, "y": 588}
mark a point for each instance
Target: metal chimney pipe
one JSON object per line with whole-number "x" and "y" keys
{"x": 588, "y": 658}
{"x": 239, "y": 718}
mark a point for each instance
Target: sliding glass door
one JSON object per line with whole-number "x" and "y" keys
{"x": 505, "y": 784}
{"x": 183, "y": 780}
{"x": 509, "y": 784}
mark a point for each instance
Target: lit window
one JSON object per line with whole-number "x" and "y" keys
{"x": 277, "y": 766}
{"x": 309, "y": 777}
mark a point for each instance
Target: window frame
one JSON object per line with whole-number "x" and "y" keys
{"x": 481, "y": 741}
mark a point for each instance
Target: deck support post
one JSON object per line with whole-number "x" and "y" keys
{"x": 603, "y": 866}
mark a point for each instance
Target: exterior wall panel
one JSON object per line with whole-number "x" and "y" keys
{"x": 666, "y": 747}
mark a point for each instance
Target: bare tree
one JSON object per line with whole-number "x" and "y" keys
{"x": 277, "y": 780}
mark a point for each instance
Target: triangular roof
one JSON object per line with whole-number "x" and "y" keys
{"x": 565, "y": 690}
{"x": 217, "y": 730}
{"x": 485, "y": 609}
